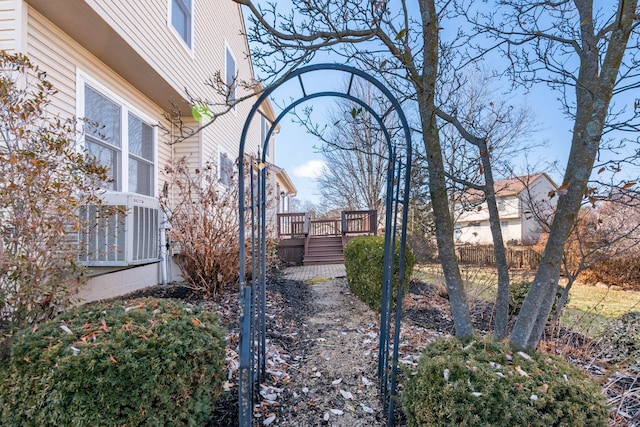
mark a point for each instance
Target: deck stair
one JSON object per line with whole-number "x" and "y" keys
{"x": 321, "y": 241}
{"x": 324, "y": 250}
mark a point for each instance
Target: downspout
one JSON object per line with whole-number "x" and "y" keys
{"x": 164, "y": 226}
{"x": 165, "y": 264}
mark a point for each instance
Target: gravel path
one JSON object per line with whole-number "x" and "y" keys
{"x": 333, "y": 380}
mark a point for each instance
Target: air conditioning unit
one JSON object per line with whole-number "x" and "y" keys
{"x": 130, "y": 237}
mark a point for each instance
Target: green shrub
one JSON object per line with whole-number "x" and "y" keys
{"x": 622, "y": 339}
{"x": 518, "y": 292}
{"x": 363, "y": 259}
{"x": 484, "y": 383}
{"x": 125, "y": 363}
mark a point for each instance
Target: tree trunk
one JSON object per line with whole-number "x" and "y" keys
{"x": 502, "y": 297}
{"x": 425, "y": 89}
{"x": 563, "y": 300}
{"x": 593, "y": 96}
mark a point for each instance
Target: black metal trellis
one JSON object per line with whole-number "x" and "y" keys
{"x": 252, "y": 340}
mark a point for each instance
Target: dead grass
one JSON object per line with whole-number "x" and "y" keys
{"x": 590, "y": 310}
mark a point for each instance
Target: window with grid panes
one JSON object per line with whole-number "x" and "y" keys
{"x": 225, "y": 169}
{"x": 108, "y": 124}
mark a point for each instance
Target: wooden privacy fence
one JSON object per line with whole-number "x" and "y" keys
{"x": 519, "y": 257}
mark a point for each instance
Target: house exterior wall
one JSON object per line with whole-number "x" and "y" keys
{"x": 10, "y": 33}
{"x": 473, "y": 226}
{"x": 472, "y": 232}
{"x": 129, "y": 51}
{"x": 539, "y": 191}
{"x": 69, "y": 66}
{"x": 508, "y": 207}
{"x": 517, "y": 222}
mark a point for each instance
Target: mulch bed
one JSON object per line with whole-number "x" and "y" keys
{"x": 426, "y": 315}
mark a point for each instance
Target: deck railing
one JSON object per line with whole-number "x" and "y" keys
{"x": 359, "y": 222}
{"x": 325, "y": 227}
{"x": 299, "y": 224}
{"x": 293, "y": 225}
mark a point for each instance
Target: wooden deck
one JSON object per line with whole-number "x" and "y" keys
{"x": 321, "y": 241}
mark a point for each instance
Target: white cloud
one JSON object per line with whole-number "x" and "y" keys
{"x": 311, "y": 169}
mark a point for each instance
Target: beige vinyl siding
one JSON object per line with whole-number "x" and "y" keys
{"x": 145, "y": 26}
{"x": 189, "y": 149}
{"x": 44, "y": 48}
{"x": 8, "y": 24}
{"x": 217, "y": 25}
{"x": 60, "y": 56}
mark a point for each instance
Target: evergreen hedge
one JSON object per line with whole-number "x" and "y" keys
{"x": 364, "y": 261}
{"x": 125, "y": 363}
{"x": 481, "y": 382}
{"x": 518, "y": 292}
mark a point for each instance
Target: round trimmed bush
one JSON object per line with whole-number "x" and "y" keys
{"x": 125, "y": 363}
{"x": 483, "y": 383}
{"x": 364, "y": 263}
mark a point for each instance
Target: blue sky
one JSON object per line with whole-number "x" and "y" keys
{"x": 296, "y": 153}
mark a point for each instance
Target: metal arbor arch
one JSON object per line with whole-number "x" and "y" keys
{"x": 252, "y": 338}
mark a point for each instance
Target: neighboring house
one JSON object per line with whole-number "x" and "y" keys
{"x": 517, "y": 200}
{"x": 285, "y": 189}
{"x": 126, "y": 64}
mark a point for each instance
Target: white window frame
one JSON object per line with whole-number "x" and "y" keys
{"x": 265, "y": 125}
{"x": 82, "y": 79}
{"x": 188, "y": 46}
{"x": 221, "y": 153}
{"x": 229, "y": 52}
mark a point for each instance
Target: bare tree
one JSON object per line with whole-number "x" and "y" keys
{"x": 355, "y": 150}
{"x": 403, "y": 48}
{"x": 585, "y": 55}
{"x": 480, "y": 140}
{"x": 541, "y": 40}
{"x": 45, "y": 180}
{"x": 608, "y": 230}
{"x": 302, "y": 205}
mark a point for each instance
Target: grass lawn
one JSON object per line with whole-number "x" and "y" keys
{"x": 590, "y": 309}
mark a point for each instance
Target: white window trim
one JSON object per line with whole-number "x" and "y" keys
{"x": 189, "y": 49}
{"x": 227, "y": 49}
{"x": 82, "y": 79}
{"x": 267, "y": 125}
{"x": 222, "y": 152}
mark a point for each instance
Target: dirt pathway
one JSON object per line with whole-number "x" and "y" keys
{"x": 333, "y": 375}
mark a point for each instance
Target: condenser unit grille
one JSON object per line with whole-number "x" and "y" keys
{"x": 145, "y": 233}
{"x": 103, "y": 238}
{"x": 128, "y": 237}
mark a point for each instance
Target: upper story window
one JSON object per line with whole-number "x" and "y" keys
{"x": 230, "y": 75}
{"x": 182, "y": 19}
{"x": 120, "y": 140}
{"x": 140, "y": 156}
{"x": 264, "y": 130}
{"x": 225, "y": 169}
